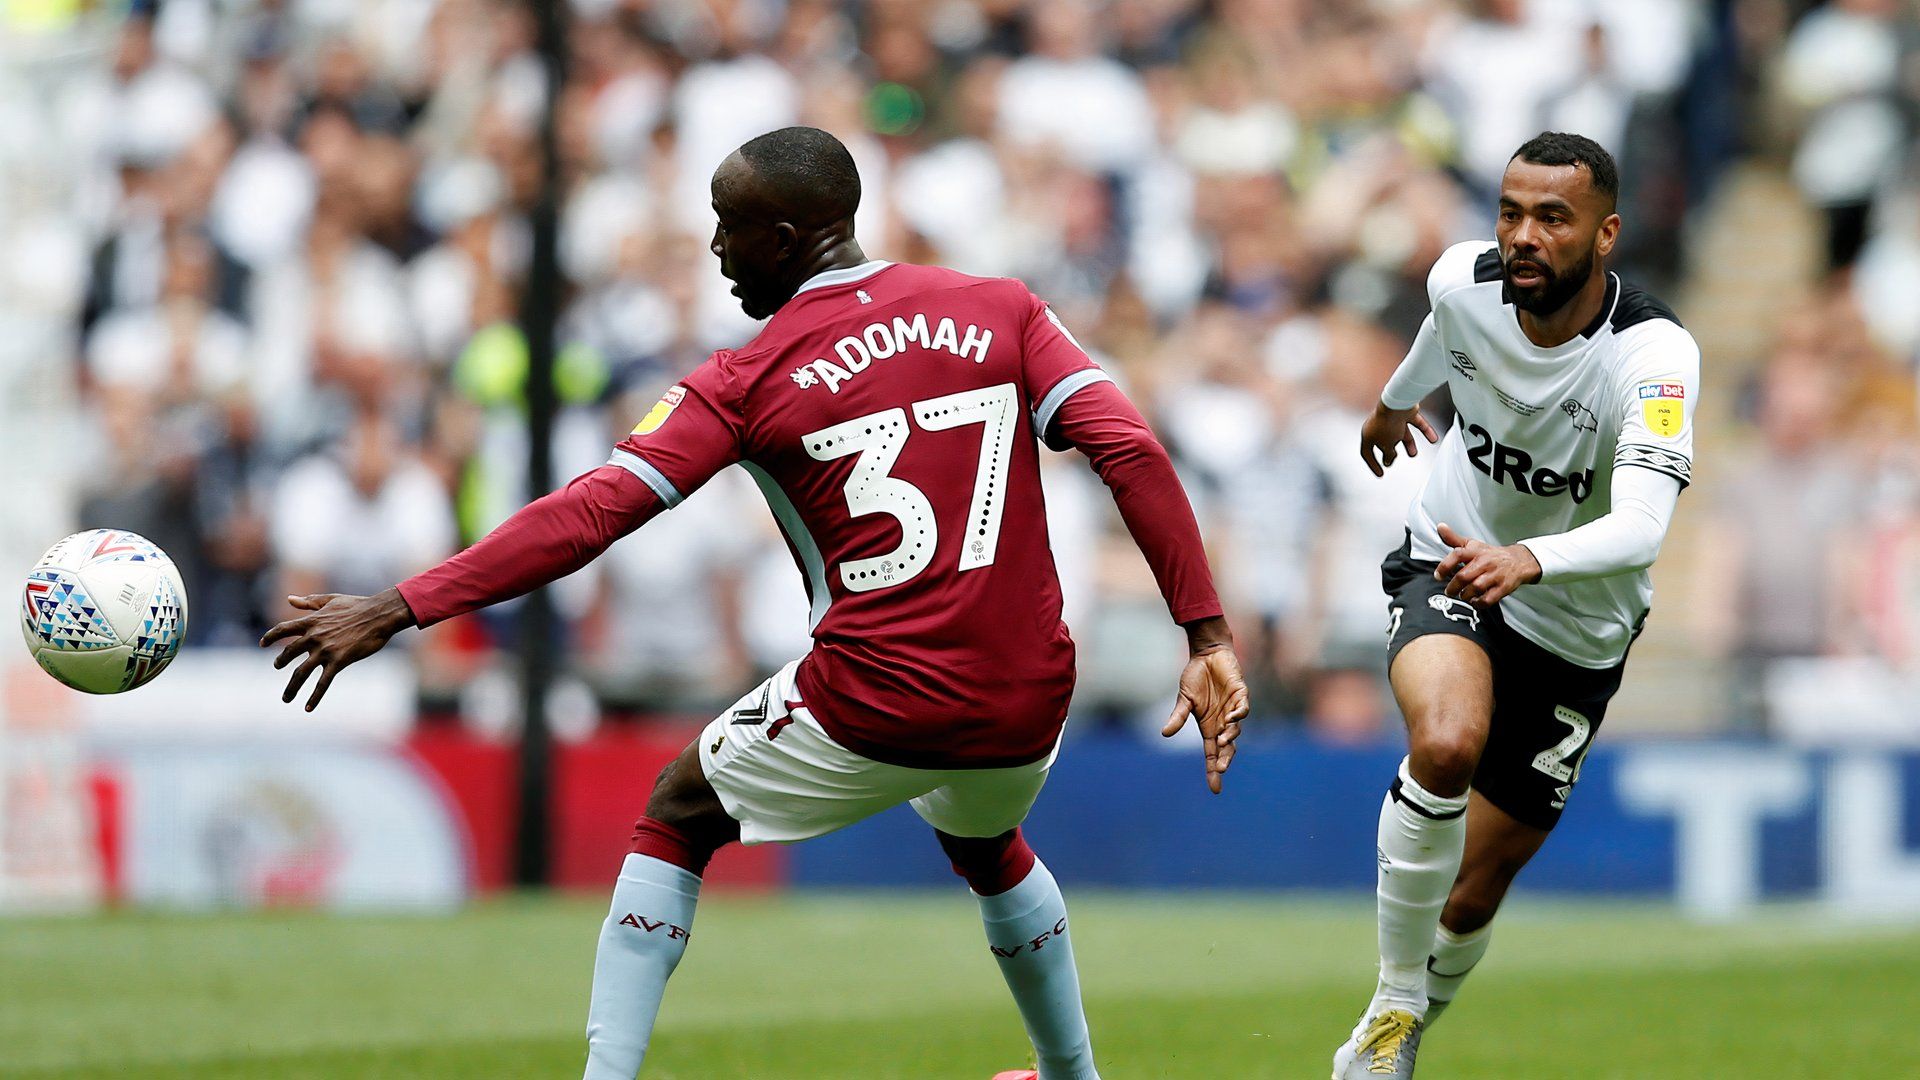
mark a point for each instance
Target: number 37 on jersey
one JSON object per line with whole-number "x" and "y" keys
{"x": 878, "y": 438}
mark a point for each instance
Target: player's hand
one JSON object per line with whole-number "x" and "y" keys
{"x": 1213, "y": 692}
{"x": 1387, "y": 430}
{"x": 1481, "y": 573}
{"x": 340, "y": 631}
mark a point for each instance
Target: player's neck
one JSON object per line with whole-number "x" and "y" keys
{"x": 1557, "y": 327}
{"x": 833, "y": 253}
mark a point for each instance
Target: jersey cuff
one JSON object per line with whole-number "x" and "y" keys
{"x": 1398, "y": 403}
{"x": 648, "y": 475}
{"x": 1043, "y": 413}
{"x": 1660, "y": 460}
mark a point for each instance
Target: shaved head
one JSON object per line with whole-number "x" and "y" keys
{"x": 800, "y": 175}
{"x": 783, "y": 206}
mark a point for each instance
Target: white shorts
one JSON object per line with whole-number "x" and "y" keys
{"x": 783, "y": 778}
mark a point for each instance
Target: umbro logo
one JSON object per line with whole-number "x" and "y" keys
{"x": 1455, "y": 609}
{"x": 862, "y": 294}
{"x": 1464, "y": 364}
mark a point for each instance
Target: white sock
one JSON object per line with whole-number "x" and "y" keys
{"x": 1454, "y": 955}
{"x": 1027, "y": 930}
{"x": 1422, "y": 836}
{"x": 640, "y": 944}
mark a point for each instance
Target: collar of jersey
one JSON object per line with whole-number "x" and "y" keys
{"x": 846, "y": 275}
{"x": 1578, "y": 342}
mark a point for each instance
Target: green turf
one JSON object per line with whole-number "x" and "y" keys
{"x": 880, "y": 985}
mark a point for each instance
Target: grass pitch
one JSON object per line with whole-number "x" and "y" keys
{"x": 901, "y": 985}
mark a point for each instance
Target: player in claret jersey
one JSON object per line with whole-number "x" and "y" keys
{"x": 893, "y": 417}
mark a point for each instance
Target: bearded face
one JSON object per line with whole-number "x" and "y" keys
{"x": 1554, "y": 232}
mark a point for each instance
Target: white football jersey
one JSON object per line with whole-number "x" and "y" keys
{"x": 1538, "y": 433}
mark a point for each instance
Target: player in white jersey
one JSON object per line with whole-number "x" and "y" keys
{"x": 1524, "y": 576}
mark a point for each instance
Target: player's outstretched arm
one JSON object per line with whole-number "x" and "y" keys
{"x": 544, "y": 541}
{"x": 342, "y": 630}
{"x": 1389, "y": 429}
{"x": 1213, "y": 693}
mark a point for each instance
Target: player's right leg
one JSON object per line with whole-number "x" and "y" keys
{"x": 976, "y": 817}
{"x": 1444, "y": 684}
{"x": 1442, "y": 676}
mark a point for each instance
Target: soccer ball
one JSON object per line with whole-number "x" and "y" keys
{"x": 104, "y": 611}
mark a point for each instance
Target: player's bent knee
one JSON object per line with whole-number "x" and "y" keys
{"x": 684, "y": 801}
{"x": 1445, "y": 753}
{"x": 690, "y": 851}
{"x": 990, "y": 864}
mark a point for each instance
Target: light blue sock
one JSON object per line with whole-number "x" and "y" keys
{"x": 641, "y": 942}
{"x": 1027, "y": 930}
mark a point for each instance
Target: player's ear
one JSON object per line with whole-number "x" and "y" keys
{"x": 786, "y": 241}
{"x": 1609, "y": 235}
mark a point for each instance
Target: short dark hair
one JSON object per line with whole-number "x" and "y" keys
{"x": 1561, "y": 148}
{"x": 807, "y": 174}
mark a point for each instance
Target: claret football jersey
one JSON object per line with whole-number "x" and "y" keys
{"x": 889, "y": 413}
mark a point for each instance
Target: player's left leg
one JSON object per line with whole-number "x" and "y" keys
{"x": 764, "y": 771}
{"x": 1548, "y": 713}
{"x": 976, "y": 818}
{"x": 651, "y": 918}
{"x": 1498, "y": 845}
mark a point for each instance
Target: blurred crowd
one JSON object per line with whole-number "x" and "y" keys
{"x": 287, "y": 242}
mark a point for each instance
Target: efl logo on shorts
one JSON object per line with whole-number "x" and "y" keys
{"x": 662, "y": 409}
{"x": 1663, "y": 406}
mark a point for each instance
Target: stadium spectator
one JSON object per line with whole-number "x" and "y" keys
{"x": 1842, "y": 67}
{"x": 1794, "y": 501}
{"x": 370, "y": 510}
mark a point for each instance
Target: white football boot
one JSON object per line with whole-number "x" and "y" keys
{"x": 1384, "y": 1044}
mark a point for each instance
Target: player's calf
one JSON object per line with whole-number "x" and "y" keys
{"x": 1477, "y": 893}
{"x": 1498, "y": 846}
{"x": 650, "y": 922}
{"x": 1026, "y": 924}
{"x": 1455, "y": 955}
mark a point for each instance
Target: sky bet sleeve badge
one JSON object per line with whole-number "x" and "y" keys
{"x": 1662, "y": 405}
{"x": 668, "y": 402}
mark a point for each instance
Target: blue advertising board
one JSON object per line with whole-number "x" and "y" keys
{"x": 1714, "y": 825}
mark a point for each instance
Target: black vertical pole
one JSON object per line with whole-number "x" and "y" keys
{"x": 539, "y": 311}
